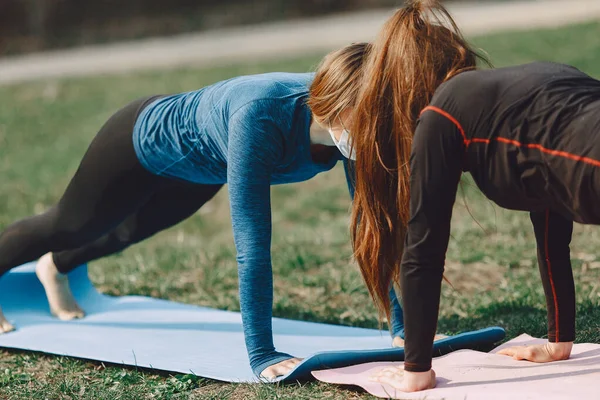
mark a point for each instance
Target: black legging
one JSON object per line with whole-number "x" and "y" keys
{"x": 111, "y": 203}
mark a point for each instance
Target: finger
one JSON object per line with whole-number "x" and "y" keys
{"x": 525, "y": 353}
{"x": 374, "y": 376}
{"x": 510, "y": 351}
{"x": 392, "y": 374}
{"x": 506, "y": 352}
{"x": 274, "y": 371}
{"x": 537, "y": 354}
{"x": 519, "y": 354}
{"x": 268, "y": 374}
{"x": 377, "y": 375}
{"x": 288, "y": 365}
{"x": 279, "y": 370}
{"x": 389, "y": 372}
{"x": 396, "y": 382}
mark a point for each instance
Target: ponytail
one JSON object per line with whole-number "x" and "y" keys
{"x": 418, "y": 49}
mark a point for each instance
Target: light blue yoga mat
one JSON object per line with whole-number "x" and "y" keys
{"x": 180, "y": 338}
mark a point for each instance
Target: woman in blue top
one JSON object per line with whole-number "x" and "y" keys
{"x": 159, "y": 159}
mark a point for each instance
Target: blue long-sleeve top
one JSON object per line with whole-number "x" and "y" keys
{"x": 250, "y": 132}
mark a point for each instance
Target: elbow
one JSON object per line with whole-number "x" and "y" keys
{"x": 254, "y": 258}
{"x": 422, "y": 264}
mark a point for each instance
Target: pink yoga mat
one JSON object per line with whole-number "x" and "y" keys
{"x": 468, "y": 374}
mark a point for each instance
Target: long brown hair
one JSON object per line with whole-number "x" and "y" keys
{"x": 418, "y": 49}
{"x": 337, "y": 81}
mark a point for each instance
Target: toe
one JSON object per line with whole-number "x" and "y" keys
{"x": 69, "y": 315}
{"x": 6, "y": 327}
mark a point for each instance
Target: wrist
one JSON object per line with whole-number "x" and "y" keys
{"x": 267, "y": 360}
{"x": 417, "y": 374}
{"x": 413, "y": 367}
{"x": 559, "y": 350}
{"x": 417, "y": 381}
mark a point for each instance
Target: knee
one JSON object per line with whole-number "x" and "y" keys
{"x": 127, "y": 234}
{"x": 65, "y": 239}
{"x": 68, "y": 231}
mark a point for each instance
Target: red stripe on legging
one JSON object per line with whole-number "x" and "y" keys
{"x": 550, "y": 275}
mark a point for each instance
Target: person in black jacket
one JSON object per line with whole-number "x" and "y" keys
{"x": 530, "y": 137}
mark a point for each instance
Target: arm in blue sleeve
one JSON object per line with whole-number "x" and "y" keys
{"x": 349, "y": 169}
{"x": 255, "y": 146}
{"x": 397, "y": 322}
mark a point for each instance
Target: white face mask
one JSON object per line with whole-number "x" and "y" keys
{"x": 344, "y": 145}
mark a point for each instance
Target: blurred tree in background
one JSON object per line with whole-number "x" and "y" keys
{"x": 31, "y": 25}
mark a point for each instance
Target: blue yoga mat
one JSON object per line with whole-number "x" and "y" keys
{"x": 168, "y": 336}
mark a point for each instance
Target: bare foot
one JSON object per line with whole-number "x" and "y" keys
{"x": 62, "y": 303}
{"x": 5, "y": 326}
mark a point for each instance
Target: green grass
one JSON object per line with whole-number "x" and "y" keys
{"x": 45, "y": 127}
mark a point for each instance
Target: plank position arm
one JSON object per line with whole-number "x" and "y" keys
{"x": 553, "y": 234}
{"x": 255, "y": 147}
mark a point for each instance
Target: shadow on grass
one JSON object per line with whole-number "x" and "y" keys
{"x": 517, "y": 318}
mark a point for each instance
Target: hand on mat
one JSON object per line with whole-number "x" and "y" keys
{"x": 405, "y": 381}
{"x": 541, "y": 353}
{"x": 281, "y": 368}
{"x": 399, "y": 342}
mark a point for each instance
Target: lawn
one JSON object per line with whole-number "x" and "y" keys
{"x": 45, "y": 127}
